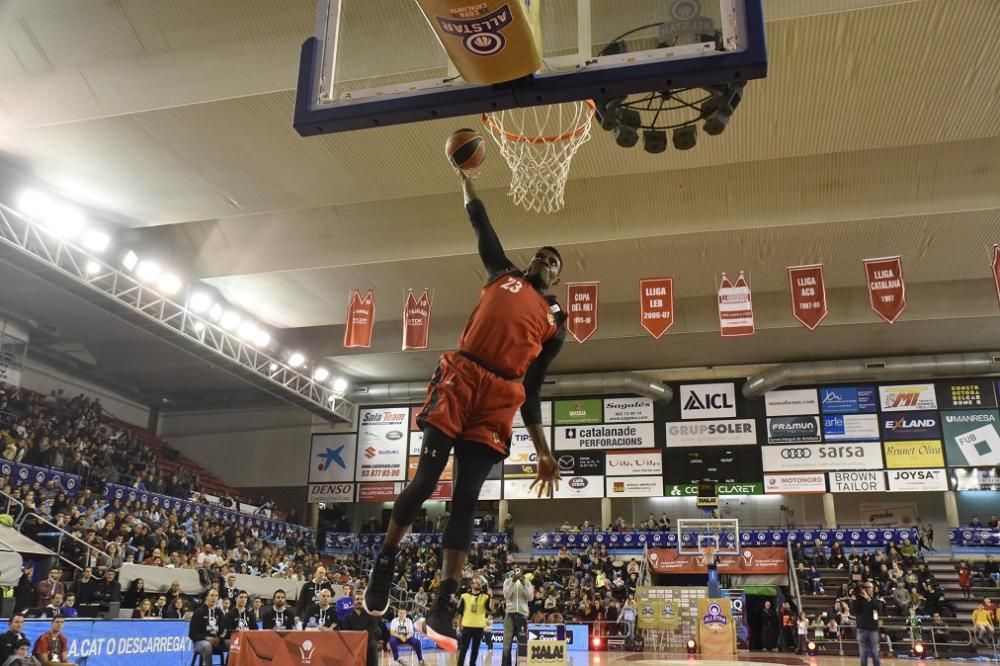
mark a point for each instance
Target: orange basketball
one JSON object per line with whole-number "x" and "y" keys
{"x": 465, "y": 149}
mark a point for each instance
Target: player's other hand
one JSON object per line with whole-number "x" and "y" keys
{"x": 547, "y": 478}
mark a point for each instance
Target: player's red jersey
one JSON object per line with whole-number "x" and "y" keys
{"x": 510, "y": 324}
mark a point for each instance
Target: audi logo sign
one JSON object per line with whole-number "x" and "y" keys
{"x": 822, "y": 457}
{"x": 790, "y": 454}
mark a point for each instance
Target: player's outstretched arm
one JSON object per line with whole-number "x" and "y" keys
{"x": 490, "y": 249}
{"x": 547, "y": 478}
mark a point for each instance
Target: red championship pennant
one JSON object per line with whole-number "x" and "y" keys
{"x": 656, "y": 305}
{"x": 735, "y": 307}
{"x": 996, "y": 268}
{"x": 581, "y": 304}
{"x": 808, "y": 294}
{"x": 360, "y": 320}
{"x": 886, "y": 289}
{"x": 416, "y": 321}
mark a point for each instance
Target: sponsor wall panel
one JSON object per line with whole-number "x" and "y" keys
{"x": 967, "y": 394}
{"x": 826, "y": 457}
{"x": 492, "y": 490}
{"x": 722, "y": 489}
{"x": 378, "y": 492}
{"x": 738, "y": 464}
{"x": 731, "y": 432}
{"x": 602, "y": 437}
{"x": 578, "y": 412}
{"x": 521, "y": 463}
{"x": 907, "y": 397}
{"x": 850, "y": 428}
{"x": 708, "y": 401}
{"x": 976, "y": 479}
{"x": 794, "y": 484}
{"x": 546, "y": 415}
{"x": 331, "y": 492}
{"x": 382, "y": 445}
{"x": 580, "y": 486}
{"x": 581, "y": 464}
{"x": 791, "y": 402}
{"x": 848, "y": 400}
{"x": 783, "y": 429}
{"x": 917, "y": 480}
{"x": 395, "y": 416}
{"x": 857, "y": 482}
{"x": 911, "y": 425}
{"x": 888, "y": 514}
{"x": 331, "y": 458}
{"x": 416, "y": 442}
{"x": 633, "y": 486}
{"x": 916, "y": 453}
{"x": 447, "y": 474}
{"x": 972, "y": 437}
{"x": 767, "y": 560}
{"x": 519, "y": 489}
{"x": 628, "y": 410}
{"x": 635, "y": 463}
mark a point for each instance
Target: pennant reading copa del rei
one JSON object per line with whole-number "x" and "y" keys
{"x": 808, "y": 294}
{"x": 581, "y": 304}
{"x": 360, "y": 320}
{"x": 735, "y": 307}
{"x": 656, "y": 305}
{"x": 416, "y": 321}
{"x": 886, "y": 289}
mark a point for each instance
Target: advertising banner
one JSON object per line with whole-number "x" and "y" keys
{"x": 521, "y": 463}
{"x": 492, "y": 490}
{"x": 795, "y": 484}
{"x": 378, "y": 492}
{"x": 751, "y": 561}
{"x": 656, "y": 305}
{"x": 331, "y": 493}
{"x": 735, "y": 307}
{"x": 416, "y": 442}
{"x": 916, "y": 453}
{"x": 581, "y": 464}
{"x": 977, "y": 479}
{"x": 857, "y": 482}
{"x": 791, "y": 402}
{"x": 331, "y": 458}
{"x": 735, "y": 432}
{"x": 580, "y": 486}
{"x": 382, "y": 449}
{"x": 850, "y": 428}
{"x": 848, "y": 400}
{"x": 886, "y": 289}
{"x": 782, "y": 429}
{"x": 634, "y": 463}
{"x": 723, "y": 489}
{"x": 911, "y": 425}
{"x": 447, "y": 474}
{"x": 908, "y": 397}
{"x": 576, "y": 412}
{"x": 633, "y": 486}
{"x": 360, "y": 321}
{"x": 600, "y": 437}
{"x": 125, "y": 642}
{"x": 917, "y": 480}
{"x": 716, "y": 629}
{"x": 519, "y": 489}
{"x": 581, "y": 306}
{"x": 808, "y": 294}
{"x": 971, "y": 437}
{"x": 826, "y": 457}
{"x": 708, "y": 401}
{"x": 888, "y": 514}
{"x": 546, "y": 415}
{"x": 966, "y": 395}
{"x": 628, "y": 410}
{"x": 20, "y": 474}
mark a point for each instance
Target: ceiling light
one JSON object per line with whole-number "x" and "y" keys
{"x": 93, "y": 268}
{"x": 340, "y": 385}
{"x": 148, "y": 271}
{"x": 230, "y": 320}
{"x": 215, "y": 312}
{"x": 96, "y": 241}
{"x": 273, "y": 367}
{"x": 262, "y": 339}
{"x": 199, "y": 327}
{"x": 130, "y": 260}
{"x": 321, "y": 374}
{"x": 247, "y": 331}
{"x": 199, "y": 301}
{"x": 685, "y": 138}
{"x": 65, "y": 221}
{"x": 170, "y": 284}
{"x": 34, "y": 204}
{"x": 296, "y": 359}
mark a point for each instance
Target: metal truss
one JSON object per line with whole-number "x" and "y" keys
{"x": 30, "y": 246}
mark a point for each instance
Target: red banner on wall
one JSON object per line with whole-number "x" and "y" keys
{"x": 416, "y": 321}
{"x": 735, "y": 307}
{"x": 581, "y": 304}
{"x": 656, "y": 305}
{"x": 996, "y": 268}
{"x": 886, "y": 289}
{"x": 750, "y": 561}
{"x": 360, "y": 320}
{"x": 808, "y": 294}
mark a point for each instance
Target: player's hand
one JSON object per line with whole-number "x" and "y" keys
{"x": 547, "y": 478}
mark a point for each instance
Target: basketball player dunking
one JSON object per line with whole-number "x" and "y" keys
{"x": 515, "y": 331}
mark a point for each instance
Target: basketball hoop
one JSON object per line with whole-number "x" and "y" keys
{"x": 539, "y": 143}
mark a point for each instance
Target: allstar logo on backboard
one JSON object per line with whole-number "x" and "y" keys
{"x": 481, "y": 35}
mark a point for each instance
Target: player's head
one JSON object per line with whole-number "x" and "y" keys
{"x": 545, "y": 267}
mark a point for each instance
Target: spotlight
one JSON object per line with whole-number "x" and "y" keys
{"x": 148, "y": 271}
{"x": 215, "y": 312}
{"x": 654, "y": 141}
{"x": 170, "y": 284}
{"x": 597, "y": 643}
{"x": 918, "y": 650}
{"x": 199, "y": 327}
{"x": 685, "y": 138}
{"x": 230, "y": 320}
{"x": 93, "y": 268}
{"x": 261, "y": 338}
{"x": 273, "y": 367}
{"x": 199, "y": 302}
{"x": 34, "y": 204}
{"x": 627, "y": 131}
{"x": 247, "y": 331}
{"x": 65, "y": 221}
{"x": 321, "y": 374}
{"x": 607, "y": 113}
{"x": 296, "y": 359}
{"x": 692, "y": 646}
{"x": 340, "y": 386}
{"x": 96, "y": 241}
{"x": 811, "y": 648}
{"x": 130, "y": 260}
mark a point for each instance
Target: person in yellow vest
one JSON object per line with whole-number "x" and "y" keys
{"x": 474, "y": 607}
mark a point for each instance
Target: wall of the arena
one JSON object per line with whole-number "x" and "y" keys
{"x": 44, "y": 379}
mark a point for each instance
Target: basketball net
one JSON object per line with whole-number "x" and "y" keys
{"x": 538, "y": 143}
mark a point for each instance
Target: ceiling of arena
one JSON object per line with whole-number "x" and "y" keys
{"x": 877, "y": 133}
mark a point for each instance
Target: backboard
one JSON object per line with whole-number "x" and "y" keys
{"x": 378, "y": 62}
{"x": 695, "y": 535}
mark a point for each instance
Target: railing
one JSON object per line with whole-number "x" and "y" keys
{"x": 62, "y": 536}
{"x": 793, "y": 580}
{"x": 929, "y": 638}
{"x": 12, "y": 503}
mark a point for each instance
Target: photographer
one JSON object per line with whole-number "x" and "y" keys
{"x": 867, "y": 610}
{"x": 517, "y": 593}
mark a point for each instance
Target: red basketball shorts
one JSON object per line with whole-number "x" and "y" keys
{"x": 467, "y": 402}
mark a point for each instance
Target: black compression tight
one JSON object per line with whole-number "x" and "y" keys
{"x": 473, "y": 463}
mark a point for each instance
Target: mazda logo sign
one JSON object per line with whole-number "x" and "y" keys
{"x": 796, "y": 454}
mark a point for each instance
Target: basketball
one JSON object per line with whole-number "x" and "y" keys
{"x": 465, "y": 149}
